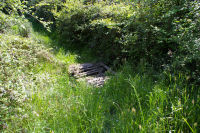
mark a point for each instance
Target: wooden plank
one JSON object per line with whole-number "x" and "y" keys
{"x": 88, "y": 73}
{"x": 89, "y": 68}
{"x": 96, "y": 72}
{"x": 107, "y": 68}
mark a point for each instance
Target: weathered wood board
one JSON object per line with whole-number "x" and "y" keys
{"x": 93, "y": 73}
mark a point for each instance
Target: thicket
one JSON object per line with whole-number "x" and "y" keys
{"x": 163, "y": 34}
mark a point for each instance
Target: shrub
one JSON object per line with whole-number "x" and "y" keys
{"x": 163, "y": 33}
{"x": 96, "y": 26}
{"x": 14, "y": 25}
{"x": 11, "y": 6}
{"x": 17, "y": 57}
{"x": 2, "y": 22}
{"x": 186, "y": 34}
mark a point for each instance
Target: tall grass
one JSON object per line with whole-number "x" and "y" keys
{"x": 133, "y": 100}
{"x": 124, "y": 104}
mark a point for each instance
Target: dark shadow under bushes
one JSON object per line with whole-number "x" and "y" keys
{"x": 57, "y": 42}
{"x": 161, "y": 33}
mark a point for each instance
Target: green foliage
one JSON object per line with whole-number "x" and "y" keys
{"x": 14, "y": 25}
{"x": 44, "y": 11}
{"x": 187, "y": 36}
{"x": 12, "y": 6}
{"x": 163, "y": 33}
{"x": 20, "y": 78}
{"x": 97, "y": 27}
{"x": 125, "y": 104}
{"x": 2, "y": 21}
{"x": 37, "y": 94}
{"x": 17, "y": 57}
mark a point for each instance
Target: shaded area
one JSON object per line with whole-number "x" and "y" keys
{"x": 83, "y": 53}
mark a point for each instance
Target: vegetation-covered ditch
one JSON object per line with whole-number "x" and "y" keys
{"x": 153, "y": 46}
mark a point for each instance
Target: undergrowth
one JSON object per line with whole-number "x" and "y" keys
{"x": 38, "y": 95}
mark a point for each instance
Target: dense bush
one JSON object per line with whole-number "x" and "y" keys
{"x": 12, "y": 6}
{"x": 168, "y": 37}
{"x": 99, "y": 27}
{"x": 44, "y": 11}
{"x": 186, "y": 34}
{"x": 17, "y": 57}
{"x": 14, "y": 24}
{"x": 20, "y": 56}
{"x": 163, "y": 33}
